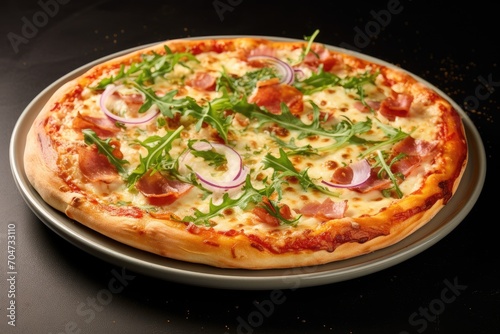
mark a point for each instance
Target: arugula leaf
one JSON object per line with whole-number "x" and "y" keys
{"x": 357, "y": 83}
{"x": 317, "y": 81}
{"x": 283, "y": 165}
{"x": 273, "y": 209}
{"x": 214, "y": 114}
{"x": 321, "y": 80}
{"x": 104, "y": 147}
{"x": 246, "y": 83}
{"x": 166, "y": 103}
{"x": 342, "y": 132}
{"x": 157, "y": 148}
{"x": 394, "y": 135}
{"x": 310, "y": 40}
{"x": 250, "y": 195}
{"x": 212, "y": 157}
{"x": 151, "y": 67}
{"x": 386, "y": 170}
{"x": 293, "y": 149}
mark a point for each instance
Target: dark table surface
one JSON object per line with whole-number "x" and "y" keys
{"x": 451, "y": 287}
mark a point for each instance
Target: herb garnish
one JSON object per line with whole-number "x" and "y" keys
{"x": 104, "y": 147}
{"x": 149, "y": 68}
{"x": 285, "y": 167}
{"x": 158, "y": 150}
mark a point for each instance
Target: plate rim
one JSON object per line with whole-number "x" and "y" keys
{"x": 239, "y": 278}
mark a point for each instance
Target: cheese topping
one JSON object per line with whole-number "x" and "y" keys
{"x": 339, "y": 123}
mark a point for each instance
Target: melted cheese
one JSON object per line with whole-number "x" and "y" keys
{"x": 253, "y": 144}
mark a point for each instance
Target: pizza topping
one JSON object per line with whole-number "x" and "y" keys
{"x": 272, "y": 214}
{"x": 160, "y": 190}
{"x": 219, "y": 167}
{"x": 202, "y": 81}
{"x": 350, "y": 176}
{"x": 397, "y": 106}
{"x": 285, "y": 71}
{"x": 287, "y": 147}
{"x": 107, "y": 149}
{"x": 284, "y": 168}
{"x": 271, "y": 96}
{"x": 96, "y": 167}
{"x": 411, "y": 146}
{"x": 102, "y": 126}
{"x": 124, "y": 105}
{"x": 158, "y": 156}
{"x": 150, "y": 67}
{"x": 326, "y": 210}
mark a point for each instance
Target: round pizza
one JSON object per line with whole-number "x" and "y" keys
{"x": 247, "y": 152}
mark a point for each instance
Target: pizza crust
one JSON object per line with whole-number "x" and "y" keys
{"x": 347, "y": 237}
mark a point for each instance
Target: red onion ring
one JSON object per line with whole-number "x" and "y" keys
{"x": 238, "y": 182}
{"x": 110, "y": 90}
{"x": 361, "y": 171}
{"x": 285, "y": 70}
{"x": 233, "y": 178}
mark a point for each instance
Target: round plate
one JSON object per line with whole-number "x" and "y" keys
{"x": 201, "y": 275}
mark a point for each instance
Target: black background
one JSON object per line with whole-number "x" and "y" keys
{"x": 455, "y": 47}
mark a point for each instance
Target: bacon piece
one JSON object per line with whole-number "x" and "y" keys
{"x": 102, "y": 126}
{"x": 415, "y": 150}
{"x": 160, "y": 190}
{"x": 266, "y": 217}
{"x": 397, "y": 106}
{"x": 411, "y": 146}
{"x": 202, "y": 81}
{"x": 363, "y": 108}
{"x": 320, "y": 56}
{"x": 134, "y": 102}
{"x": 262, "y": 50}
{"x": 95, "y": 166}
{"x": 271, "y": 94}
{"x": 324, "y": 211}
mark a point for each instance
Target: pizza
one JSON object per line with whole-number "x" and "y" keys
{"x": 247, "y": 152}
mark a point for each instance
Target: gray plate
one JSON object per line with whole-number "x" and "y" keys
{"x": 200, "y": 275}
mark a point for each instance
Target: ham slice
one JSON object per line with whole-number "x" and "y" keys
{"x": 324, "y": 211}
{"x": 271, "y": 94}
{"x": 102, "y": 126}
{"x": 95, "y": 166}
{"x": 397, "y": 106}
{"x": 159, "y": 190}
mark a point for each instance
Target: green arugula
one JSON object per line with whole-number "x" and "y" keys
{"x": 157, "y": 148}
{"x": 149, "y": 68}
{"x": 166, "y": 103}
{"x": 310, "y": 40}
{"x": 285, "y": 167}
{"x": 249, "y": 195}
{"x": 342, "y": 132}
{"x": 212, "y": 157}
{"x": 293, "y": 149}
{"x": 385, "y": 170}
{"x": 317, "y": 81}
{"x": 321, "y": 80}
{"x": 273, "y": 209}
{"x": 394, "y": 135}
{"x": 246, "y": 83}
{"x": 212, "y": 113}
{"x": 104, "y": 147}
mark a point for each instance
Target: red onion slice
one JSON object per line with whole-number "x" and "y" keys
{"x": 361, "y": 171}
{"x": 286, "y": 71}
{"x": 230, "y": 180}
{"x": 224, "y": 186}
{"x": 110, "y": 90}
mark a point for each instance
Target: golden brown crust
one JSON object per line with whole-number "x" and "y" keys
{"x": 346, "y": 237}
